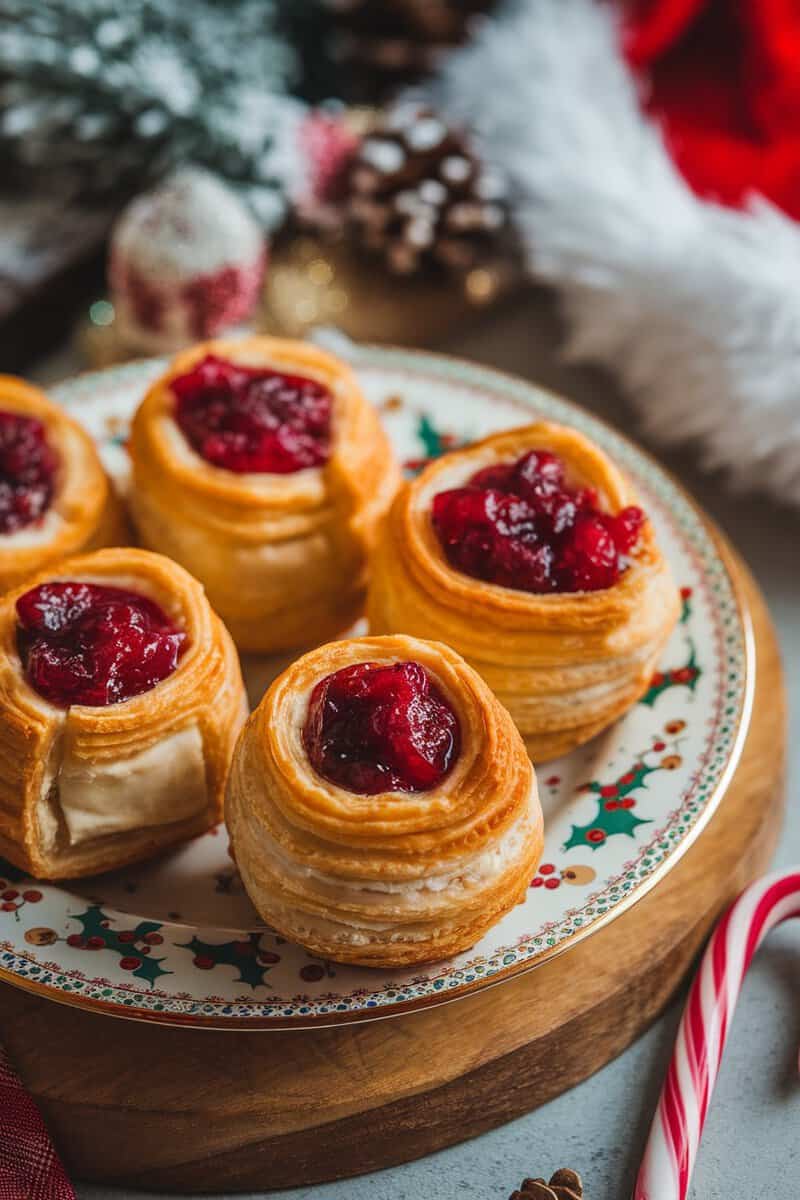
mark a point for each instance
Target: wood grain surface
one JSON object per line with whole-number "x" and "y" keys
{"x": 194, "y": 1110}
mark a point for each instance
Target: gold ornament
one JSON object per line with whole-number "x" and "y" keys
{"x": 314, "y": 281}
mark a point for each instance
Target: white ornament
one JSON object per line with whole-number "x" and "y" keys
{"x": 186, "y": 262}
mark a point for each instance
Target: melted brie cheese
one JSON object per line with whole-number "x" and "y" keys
{"x": 157, "y": 786}
{"x": 39, "y": 533}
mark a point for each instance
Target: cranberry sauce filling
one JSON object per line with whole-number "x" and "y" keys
{"x": 85, "y": 643}
{"x": 381, "y": 729}
{"x": 27, "y": 470}
{"x": 519, "y": 524}
{"x": 253, "y": 419}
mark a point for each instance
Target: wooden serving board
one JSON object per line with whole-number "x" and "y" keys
{"x": 190, "y": 1110}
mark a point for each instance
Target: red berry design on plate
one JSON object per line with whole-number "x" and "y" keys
{"x": 95, "y": 942}
{"x": 10, "y": 894}
{"x": 547, "y": 877}
{"x": 32, "y": 895}
{"x": 683, "y": 676}
{"x": 153, "y": 939}
{"x": 616, "y": 801}
{"x": 77, "y": 941}
{"x": 243, "y": 955}
{"x": 126, "y": 935}
{"x": 130, "y": 963}
{"x": 268, "y": 957}
{"x": 312, "y": 973}
{"x": 9, "y": 906}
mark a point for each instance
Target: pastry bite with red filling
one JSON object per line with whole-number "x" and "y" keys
{"x": 120, "y": 701}
{"x": 381, "y": 804}
{"x": 531, "y": 554}
{"x": 262, "y": 469}
{"x": 55, "y": 497}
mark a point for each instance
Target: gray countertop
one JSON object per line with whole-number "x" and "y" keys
{"x": 599, "y": 1128}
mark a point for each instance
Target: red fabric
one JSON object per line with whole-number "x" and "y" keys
{"x": 30, "y": 1169}
{"x": 723, "y": 78}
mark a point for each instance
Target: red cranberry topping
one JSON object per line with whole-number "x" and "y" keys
{"x": 27, "y": 470}
{"x": 85, "y": 643}
{"x": 252, "y": 419}
{"x": 381, "y": 729}
{"x": 519, "y": 524}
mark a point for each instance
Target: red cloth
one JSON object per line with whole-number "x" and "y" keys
{"x": 723, "y": 78}
{"x": 30, "y": 1169}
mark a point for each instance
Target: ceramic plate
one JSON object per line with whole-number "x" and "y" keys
{"x": 177, "y": 940}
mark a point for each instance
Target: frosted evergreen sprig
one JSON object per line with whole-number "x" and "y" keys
{"x": 112, "y": 93}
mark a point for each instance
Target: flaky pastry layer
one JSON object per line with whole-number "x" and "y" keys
{"x": 395, "y": 878}
{"x": 565, "y": 665}
{"x": 282, "y": 557}
{"x": 85, "y": 512}
{"x": 95, "y": 753}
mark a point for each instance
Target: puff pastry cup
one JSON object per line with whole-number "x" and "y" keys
{"x": 84, "y": 513}
{"x": 282, "y": 557}
{"x": 87, "y": 789}
{"x": 394, "y": 878}
{"x": 564, "y": 664}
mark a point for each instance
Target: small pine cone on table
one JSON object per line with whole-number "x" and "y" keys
{"x": 419, "y": 194}
{"x": 565, "y": 1184}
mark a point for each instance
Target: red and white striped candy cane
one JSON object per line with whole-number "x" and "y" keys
{"x": 675, "y": 1134}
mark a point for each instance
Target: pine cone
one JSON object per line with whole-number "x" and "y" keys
{"x": 565, "y": 1184}
{"x": 388, "y": 43}
{"x": 418, "y": 194}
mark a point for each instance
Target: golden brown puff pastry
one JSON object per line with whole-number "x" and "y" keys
{"x": 84, "y": 512}
{"x": 564, "y": 664}
{"x": 282, "y": 556}
{"x": 397, "y": 877}
{"x": 87, "y": 789}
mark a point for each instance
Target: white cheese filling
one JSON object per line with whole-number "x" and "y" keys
{"x": 433, "y": 891}
{"x": 157, "y": 786}
{"x": 38, "y": 533}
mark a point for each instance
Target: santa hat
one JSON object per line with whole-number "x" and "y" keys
{"x": 651, "y": 149}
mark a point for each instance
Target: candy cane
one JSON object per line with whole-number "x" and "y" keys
{"x": 675, "y": 1134}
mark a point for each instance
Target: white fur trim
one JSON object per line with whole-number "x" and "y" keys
{"x": 695, "y": 306}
